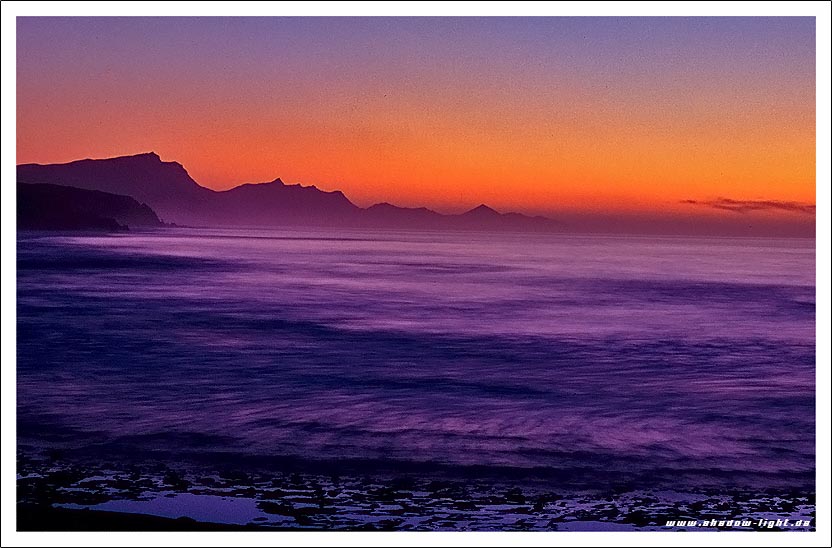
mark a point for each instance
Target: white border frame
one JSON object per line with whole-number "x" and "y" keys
{"x": 10, "y": 10}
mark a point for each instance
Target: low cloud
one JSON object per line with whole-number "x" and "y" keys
{"x": 744, "y": 206}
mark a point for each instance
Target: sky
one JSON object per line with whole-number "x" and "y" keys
{"x": 573, "y": 115}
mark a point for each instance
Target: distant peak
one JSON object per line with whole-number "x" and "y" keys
{"x": 151, "y": 156}
{"x": 152, "y": 159}
{"x": 483, "y": 209}
{"x": 142, "y": 157}
{"x": 265, "y": 185}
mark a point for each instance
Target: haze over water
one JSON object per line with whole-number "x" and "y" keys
{"x": 643, "y": 355}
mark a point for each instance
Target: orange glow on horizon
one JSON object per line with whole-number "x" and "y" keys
{"x": 463, "y": 119}
{"x": 618, "y": 165}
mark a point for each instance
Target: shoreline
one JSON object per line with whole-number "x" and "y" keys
{"x": 161, "y": 494}
{"x": 31, "y": 518}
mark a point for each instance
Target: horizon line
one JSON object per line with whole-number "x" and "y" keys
{"x": 723, "y": 203}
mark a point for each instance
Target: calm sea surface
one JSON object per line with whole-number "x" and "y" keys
{"x": 671, "y": 355}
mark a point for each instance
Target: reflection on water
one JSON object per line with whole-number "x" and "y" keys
{"x": 210, "y": 508}
{"x": 468, "y": 349}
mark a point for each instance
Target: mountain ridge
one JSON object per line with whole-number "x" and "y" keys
{"x": 169, "y": 189}
{"x": 43, "y": 206}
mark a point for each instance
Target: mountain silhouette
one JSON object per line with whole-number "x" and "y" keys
{"x": 272, "y": 203}
{"x": 165, "y": 186}
{"x": 386, "y": 215}
{"x": 55, "y": 207}
{"x": 482, "y": 211}
{"x": 176, "y": 197}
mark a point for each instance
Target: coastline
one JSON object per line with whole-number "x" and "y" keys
{"x": 57, "y": 493}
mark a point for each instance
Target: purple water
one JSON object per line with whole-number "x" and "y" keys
{"x": 685, "y": 357}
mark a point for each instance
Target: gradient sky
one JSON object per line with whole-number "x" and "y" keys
{"x": 532, "y": 114}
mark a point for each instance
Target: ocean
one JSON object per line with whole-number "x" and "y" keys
{"x": 590, "y": 361}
